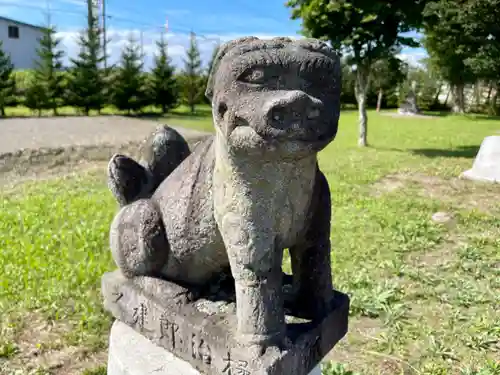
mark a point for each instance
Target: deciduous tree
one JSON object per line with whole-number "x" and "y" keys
{"x": 387, "y": 74}
{"x": 366, "y": 30}
{"x": 449, "y": 45}
{"x": 483, "y": 27}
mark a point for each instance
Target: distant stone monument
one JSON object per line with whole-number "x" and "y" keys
{"x": 409, "y": 106}
{"x": 200, "y": 288}
{"x": 486, "y": 166}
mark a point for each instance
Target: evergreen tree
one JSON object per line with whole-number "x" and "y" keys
{"x": 164, "y": 90}
{"x": 48, "y": 71}
{"x": 365, "y": 31}
{"x": 35, "y": 96}
{"x": 129, "y": 91}
{"x": 7, "y": 81}
{"x": 86, "y": 87}
{"x": 192, "y": 79}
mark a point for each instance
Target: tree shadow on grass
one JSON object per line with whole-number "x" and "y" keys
{"x": 457, "y": 152}
{"x": 437, "y": 113}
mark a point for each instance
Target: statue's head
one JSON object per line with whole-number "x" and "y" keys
{"x": 275, "y": 97}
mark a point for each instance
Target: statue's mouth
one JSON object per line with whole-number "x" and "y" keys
{"x": 294, "y": 132}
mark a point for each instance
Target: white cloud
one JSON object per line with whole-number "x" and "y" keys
{"x": 413, "y": 57}
{"x": 177, "y": 44}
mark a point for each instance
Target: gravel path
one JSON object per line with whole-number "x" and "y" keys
{"x": 34, "y": 133}
{"x": 34, "y": 148}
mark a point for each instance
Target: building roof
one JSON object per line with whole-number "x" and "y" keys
{"x": 22, "y": 23}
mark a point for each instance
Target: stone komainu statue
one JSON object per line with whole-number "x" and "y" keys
{"x": 245, "y": 194}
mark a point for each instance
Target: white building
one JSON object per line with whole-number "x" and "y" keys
{"x": 20, "y": 40}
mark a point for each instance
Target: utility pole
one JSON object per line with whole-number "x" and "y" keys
{"x": 104, "y": 39}
{"x": 142, "y": 43}
{"x": 164, "y": 30}
{"x": 89, "y": 13}
{"x": 47, "y": 5}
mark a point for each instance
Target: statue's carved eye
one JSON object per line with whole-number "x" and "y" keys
{"x": 252, "y": 75}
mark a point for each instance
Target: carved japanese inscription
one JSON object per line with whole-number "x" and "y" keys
{"x": 139, "y": 315}
{"x": 235, "y": 366}
{"x": 168, "y": 332}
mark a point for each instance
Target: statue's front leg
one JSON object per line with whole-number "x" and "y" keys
{"x": 138, "y": 240}
{"x": 256, "y": 267}
{"x": 311, "y": 259}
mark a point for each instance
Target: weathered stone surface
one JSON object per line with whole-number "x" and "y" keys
{"x": 231, "y": 207}
{"x": 130, "y": 353}
{"x": 160, "y": 154}
{"x": 201, "y": 329}
{"x": 242, "y": 197}
{"x": 486, "y": 166}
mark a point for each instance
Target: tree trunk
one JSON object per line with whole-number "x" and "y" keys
{"x": 192, "y": 105}
{"x": 163, "y": 108}
{"x": 361, "y": 88}
{"x": 494, "y": 99}
{"x": 447, "y": 96}
{"x": 379, "y": 99}
{"x": 458, "y": 98}
{"x": 3, "y": 111}
{"x": 436, "y": 97}
{"x": 490, "y": 89}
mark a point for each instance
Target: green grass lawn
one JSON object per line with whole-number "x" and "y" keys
{"x": 425, "y": 296}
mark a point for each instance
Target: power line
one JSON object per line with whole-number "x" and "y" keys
{"x": 83, "y": 14}
{"x": 111, "y": 17}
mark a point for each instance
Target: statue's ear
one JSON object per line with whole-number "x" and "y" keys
{"x": 126, "y": 179}
{"x": 222, "y": 51}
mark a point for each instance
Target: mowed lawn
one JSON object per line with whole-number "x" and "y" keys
{"x": 425, "y": 295}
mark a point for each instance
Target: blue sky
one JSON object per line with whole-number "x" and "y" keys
{"x": 212, "y": 21}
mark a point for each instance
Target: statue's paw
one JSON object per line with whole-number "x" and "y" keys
{"x": 258, "y": 345}
{"x": 269, "y": 349}
{"x": 127, "y": 179}
{"x": 138, "y": 240}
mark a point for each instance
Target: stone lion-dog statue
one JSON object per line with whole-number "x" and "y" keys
{"x": 246, "y": 193}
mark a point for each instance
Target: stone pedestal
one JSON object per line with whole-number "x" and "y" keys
{"x": 409, "y": 106}
{"x": 486, "y": 166}
{"x": 181, "y": 333}
{"x": 130, "y": 353}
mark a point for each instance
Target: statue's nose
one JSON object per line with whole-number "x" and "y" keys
{"x": 292, "y": 109}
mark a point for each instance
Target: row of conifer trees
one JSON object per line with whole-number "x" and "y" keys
{"x": 87, "y": 86}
